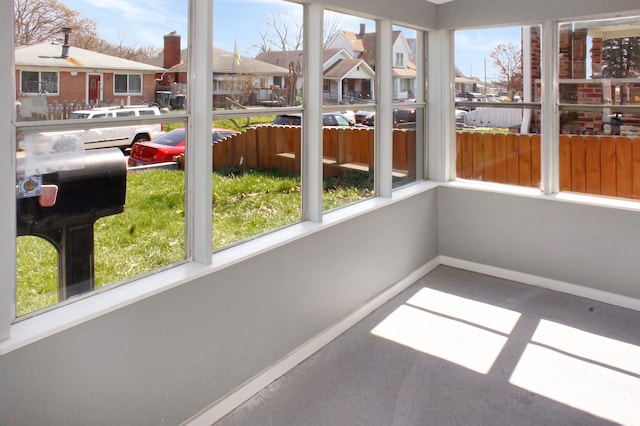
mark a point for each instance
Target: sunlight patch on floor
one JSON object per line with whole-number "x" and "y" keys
{"x": 469, "y": 310}
{"x": 442, "y": 325}
{"x": 589, "y": 372}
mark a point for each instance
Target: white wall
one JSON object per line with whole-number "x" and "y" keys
{"x": 161, "y": 360}
{"x": 591, "y": 246}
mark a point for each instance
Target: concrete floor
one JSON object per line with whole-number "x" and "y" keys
{"x": 460, "y": 348}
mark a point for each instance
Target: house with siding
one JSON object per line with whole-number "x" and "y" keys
{"x": 343, "y": 75}
{"x": 236, "y": 77}
{"x": 362, "y": 45}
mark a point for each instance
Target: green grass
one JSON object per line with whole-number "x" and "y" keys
{"x": 238, "y": 124}
{"x": 149, "y": 234}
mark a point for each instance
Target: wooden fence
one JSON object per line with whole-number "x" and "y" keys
{"x": 31, "y": 110}
{"x": 602, "y": 165}
{"x": 344, "y": 149}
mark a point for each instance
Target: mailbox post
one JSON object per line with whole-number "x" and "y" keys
{"x": 65, "y": 209}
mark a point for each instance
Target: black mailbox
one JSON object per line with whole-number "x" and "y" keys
{"x": 83, "y": 196}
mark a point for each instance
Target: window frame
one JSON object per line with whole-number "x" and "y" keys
{"x": 41, "y": 83}
{"x": 399, "y": 60}
{"x": 128, "y": 82}
{"x": 199, "y": 253}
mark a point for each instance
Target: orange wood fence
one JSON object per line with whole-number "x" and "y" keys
{"x": 344, "y": 149}
{"x": 603, "y": 165}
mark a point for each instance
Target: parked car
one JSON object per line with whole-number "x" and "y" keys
{"x": 164, "y": 148}
{"x": 122, "y": 137}
{"x": 328, "y": 119}
{"x": 402, "y": 117}
{"x": 363, "y": 116}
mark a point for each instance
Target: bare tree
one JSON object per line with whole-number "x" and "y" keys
{"x": 330, "y": 27}
{"x": 508, "y": 59}
{"x": 285, "y": 33}
{"x": 38, "y": 21}
{"x": 281, "y": 33}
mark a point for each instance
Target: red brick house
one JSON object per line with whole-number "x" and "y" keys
{"x": 68, "y": 73}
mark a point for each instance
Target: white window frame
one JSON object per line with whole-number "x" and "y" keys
{"x": 40, "y": 92}
{"x": 198, "y": 226}
{"x": 399, "y": 62}
{"x": 128, "y": 91}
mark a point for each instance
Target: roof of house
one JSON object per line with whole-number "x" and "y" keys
{"x": 281, "y": 58}
{"x": 50, "y": 55}
{"x": 343, "y": 67}
{"x": 225, "y": 63}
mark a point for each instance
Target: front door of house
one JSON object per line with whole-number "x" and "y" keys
{"x": 94, "y": 88}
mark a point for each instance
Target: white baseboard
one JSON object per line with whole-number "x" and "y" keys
{"x": 550, "y": 284}
{"x": 225, "y": 405}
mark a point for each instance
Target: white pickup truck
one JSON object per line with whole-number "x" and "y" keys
{"x": 118, "y": 136}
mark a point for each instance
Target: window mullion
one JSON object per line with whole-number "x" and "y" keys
{"x": 8, "y": 177}
{"x": 384, "y": 115}
{"x": 311, "y": 162}
{"x": 441, "y": 131}
{"x": 550, "y": 126}
{"x": 199, "y": 109}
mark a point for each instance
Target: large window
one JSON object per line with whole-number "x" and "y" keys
{"x": 127, "y": 84}
{"x": 498, "y": 93}
{"x": 39, "y": 82}
{"x": 599, "y": 81}
{"x": 112, "y": 189}
{"x": 88, "y": 218}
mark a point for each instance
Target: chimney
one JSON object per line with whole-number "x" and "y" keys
{"x": 171, "y": 50}
{"x": 362, "y": 29}
{"x": 65, "y": 46}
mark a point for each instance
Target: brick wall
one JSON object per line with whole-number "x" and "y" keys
{"x": 74, "y": 89}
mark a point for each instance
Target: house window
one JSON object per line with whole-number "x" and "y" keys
{"x": 277, "y": 81}
{"x": 127, "y": 84}
{"x": 326, "y": 86}
{"x": 39, "y": 82}
{"x": 399, "y": 60}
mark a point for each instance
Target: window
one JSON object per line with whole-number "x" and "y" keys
{"x": 125, "y": 84}
{"x": 497, "y": 93}
{"x": 257, "y": 169}
{"x": 399, "y": 60}
{"x": 256, "y": 159}
{"x": 409, "y": 107}
{"x": 121, "y": 214}
{"x": 39, "y": 82}
{"x": 599, "y": 107}
{"x": 348, "y": 92}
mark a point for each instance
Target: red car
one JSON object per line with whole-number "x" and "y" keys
{"x": 164, "y": 148}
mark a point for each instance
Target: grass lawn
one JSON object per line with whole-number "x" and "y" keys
{"x": 150, "y": 232}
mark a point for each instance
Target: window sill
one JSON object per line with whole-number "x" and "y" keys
{"x": 101, "y": 303}
{"x": 567, "y": 197}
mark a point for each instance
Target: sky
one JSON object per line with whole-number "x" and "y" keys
{"x": 473, "y": 47}
{"x": 240, "y": 22}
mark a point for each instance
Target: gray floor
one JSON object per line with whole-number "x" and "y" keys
{"x": 474, "y": 350}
